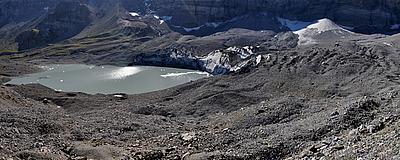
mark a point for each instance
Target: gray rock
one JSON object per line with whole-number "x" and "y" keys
{"x": 188, "y": 136}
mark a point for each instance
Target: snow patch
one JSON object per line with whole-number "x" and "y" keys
{"x": 324, "y": 25}
{"x": 118, "y": 96}
{"x": 388, "y": 44}
{"x": 162, "y": 19}
{"x": 157, "y": 17}
{"x": 134, "y": 14}
{"x": 183, "y": 74}
{"x": 306, "y": 35}
{"x": 258, "y": 60}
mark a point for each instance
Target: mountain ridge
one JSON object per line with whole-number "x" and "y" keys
{"x": 203, "y": 17}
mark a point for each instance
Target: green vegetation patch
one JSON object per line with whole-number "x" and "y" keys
{"x": 35, "y": 31}
{"x": 8, "y": 51}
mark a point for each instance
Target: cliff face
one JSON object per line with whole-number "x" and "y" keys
{"x": 378, "y": 14}
{"x": 68, "y": 19}
{"x": 15, "y": 11}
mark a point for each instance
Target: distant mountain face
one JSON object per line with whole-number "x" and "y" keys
{"x": 367, "y": 16}
{"x": 14, "y": 11}
{"x": 379, "y": 15}
{"x": 30, "y": 23}
{"x": 67, "y": 19}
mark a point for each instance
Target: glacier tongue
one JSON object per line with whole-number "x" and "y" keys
{"x": 232, "y": 59}
{"x": 218, "y": 62}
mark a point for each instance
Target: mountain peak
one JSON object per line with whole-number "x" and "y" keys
{"x": 321, "y": 30}
{"x": 324, "y": 25}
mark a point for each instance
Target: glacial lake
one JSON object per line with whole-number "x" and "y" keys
{"x": 109, "y": 79}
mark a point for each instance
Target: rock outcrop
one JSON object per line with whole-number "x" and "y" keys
{"x": 16, "y": 11}
{"x": 68, "y": 19}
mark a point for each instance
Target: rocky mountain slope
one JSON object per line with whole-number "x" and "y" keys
{"x": 293, "y": 79}
{"x": 335, "y": 101}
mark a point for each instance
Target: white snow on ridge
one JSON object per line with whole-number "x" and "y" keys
{"x": 307, "y": 35}
{"x": 162, "y": 19}
{"x": 157, "y": 17}
{"x": 324, "y": 25}
{"x": 294, "y": 25}
{"x": 134, "y": 14}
